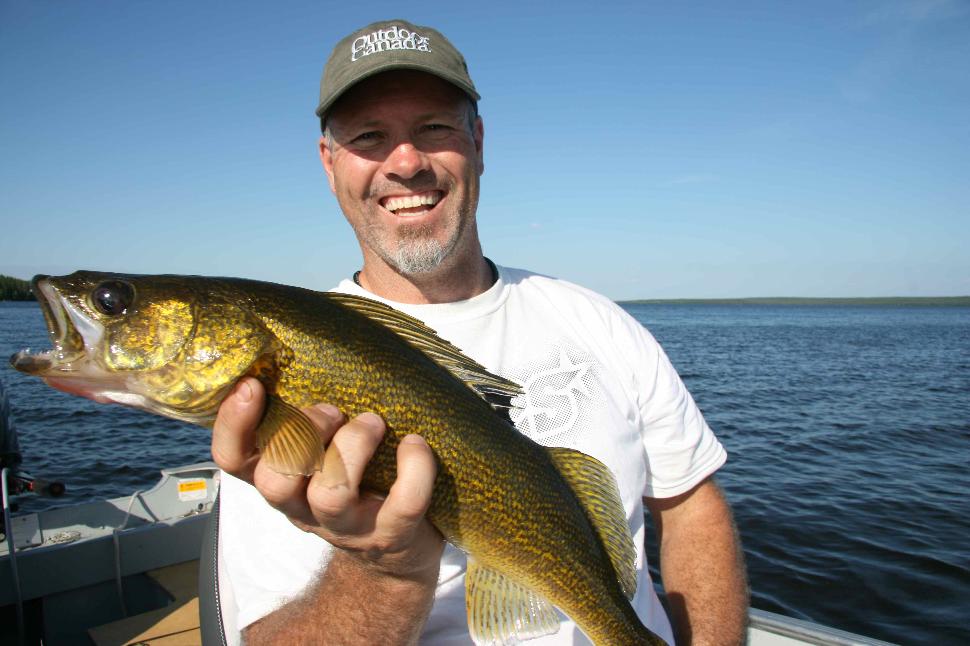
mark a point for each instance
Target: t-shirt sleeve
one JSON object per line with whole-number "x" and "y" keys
{"x": 681, "y": 449}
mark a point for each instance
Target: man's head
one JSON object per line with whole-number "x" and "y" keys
{"x": 402, "y": 147}
{"x": 391, "y": 45}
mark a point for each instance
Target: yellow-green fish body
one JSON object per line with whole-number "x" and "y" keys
{"x": 540, "y": 525}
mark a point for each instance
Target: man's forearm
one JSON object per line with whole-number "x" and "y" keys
{"x": 703, "y": 572}
{"x": 350, "y": 604}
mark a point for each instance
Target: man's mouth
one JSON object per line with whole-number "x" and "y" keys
{"x": 412, "y": 204}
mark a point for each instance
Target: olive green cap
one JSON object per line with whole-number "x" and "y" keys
{"x": 391, "y": 45}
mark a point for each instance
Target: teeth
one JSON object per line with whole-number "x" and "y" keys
{"x": 410, "y": 201}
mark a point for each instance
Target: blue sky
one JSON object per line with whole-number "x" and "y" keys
{"x": 644, "y": 149}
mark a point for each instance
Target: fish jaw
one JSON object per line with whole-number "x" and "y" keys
{"x": 68, "y": 348}
{"x": 68, "y": 366}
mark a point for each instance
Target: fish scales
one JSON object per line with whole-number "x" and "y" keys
{"x": 498, "y": 495}
{"x": 493, "y": 486}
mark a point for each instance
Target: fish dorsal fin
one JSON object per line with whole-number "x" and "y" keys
{"x": 595, "y": 487}
{"x": 501, "y": 611}
{"x": 496, "y": 390}
{"x": 288, "y": 440}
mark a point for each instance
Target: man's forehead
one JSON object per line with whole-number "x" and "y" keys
{"x": 396, "y": 89}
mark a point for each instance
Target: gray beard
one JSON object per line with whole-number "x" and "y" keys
{"x": 418, "y": 256}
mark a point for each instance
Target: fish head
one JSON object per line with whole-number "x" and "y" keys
{"x": 172, "y": 345}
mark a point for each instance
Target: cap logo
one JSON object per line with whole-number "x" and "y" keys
{"x": 384, "y": 40}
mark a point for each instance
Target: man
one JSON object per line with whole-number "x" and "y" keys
{"x": 317, "y": 560}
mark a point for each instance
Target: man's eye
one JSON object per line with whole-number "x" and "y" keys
{"x": 437, "y": 130}
{"x": 367, "y": 138}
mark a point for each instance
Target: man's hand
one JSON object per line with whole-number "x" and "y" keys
{"x": 383, "y": 545}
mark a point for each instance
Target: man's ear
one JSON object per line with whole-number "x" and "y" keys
{"x": 326, "y": 158}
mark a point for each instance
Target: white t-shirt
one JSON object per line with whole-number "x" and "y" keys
{"x": 594, "y": 379}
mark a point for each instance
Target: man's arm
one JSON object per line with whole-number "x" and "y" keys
{"x": 380, "y": 582}
{"x": 702, "y": 566}
{"x": 348, "y": 605}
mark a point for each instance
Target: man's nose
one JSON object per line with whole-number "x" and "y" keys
{"x": 406, "y": 161}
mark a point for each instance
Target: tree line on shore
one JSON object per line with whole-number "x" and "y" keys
{"x": 14, "y": 289}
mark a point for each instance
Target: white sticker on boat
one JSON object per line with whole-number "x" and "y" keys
{"x": 26, "y": 531}
{"x": 192, "y": 489}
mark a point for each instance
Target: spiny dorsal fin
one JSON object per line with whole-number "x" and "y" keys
{"x": 595, "y": 486}
{"x": 496, "y": 390}
{"x": 288, "y": 440}
{"x": 501, "y": 611}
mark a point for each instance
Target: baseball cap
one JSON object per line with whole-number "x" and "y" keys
{"x": 391, "y": 45}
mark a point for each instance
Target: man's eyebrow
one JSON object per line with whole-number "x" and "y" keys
{"x": 437, "y": 114}
{"x": 424, "y": 116}
{"x": 370, "y": 123}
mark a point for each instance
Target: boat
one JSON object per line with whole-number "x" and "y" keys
{"x": 127, "y": 571}
{"x": 771, "y": 629}
{"x": 115, "y": 571}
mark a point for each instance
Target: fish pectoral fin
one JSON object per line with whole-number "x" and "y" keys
{"x": 288, "y": 440}
{"x": 501, "y": 611}
{"x": 595, "y": 486}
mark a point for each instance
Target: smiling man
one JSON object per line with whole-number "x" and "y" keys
{"x": 317, "y": 560}
{"x": 403, "y": 153}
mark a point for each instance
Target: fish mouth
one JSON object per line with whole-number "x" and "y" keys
{"x": 74, "y": 336}
{"x": 68, "y": 347}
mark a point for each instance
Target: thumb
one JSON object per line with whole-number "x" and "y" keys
{"x": 234, "y": 431}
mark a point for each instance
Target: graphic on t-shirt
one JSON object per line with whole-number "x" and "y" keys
{"x": 559, "y": 389}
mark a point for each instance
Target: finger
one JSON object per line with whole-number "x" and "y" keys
{"x": 328, "y": 420}
{"x": 350, "y": 450}
{"x": 234, "y": 431}
{"x": 334, "y": 491}
{"x": 284, "y": 492}
{"x": 410, "y": 496}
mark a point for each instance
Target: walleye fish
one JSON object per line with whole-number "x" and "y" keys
{"x": 542, "y": 527}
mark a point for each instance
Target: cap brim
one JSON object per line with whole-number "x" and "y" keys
{"x": 388, "y": 67}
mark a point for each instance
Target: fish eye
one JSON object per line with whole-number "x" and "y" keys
{"x": 112, "y": 297}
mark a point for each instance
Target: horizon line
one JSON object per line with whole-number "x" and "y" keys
{"x": 804, "y": 300}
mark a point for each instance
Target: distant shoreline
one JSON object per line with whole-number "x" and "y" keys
{"x": 926, "y": 301}
{"x": 15, "y": 289}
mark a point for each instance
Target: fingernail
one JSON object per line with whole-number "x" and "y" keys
{"x": 331, "y": 411}
{"x": 244, "y": 392}
{"x": 371, "y": 419}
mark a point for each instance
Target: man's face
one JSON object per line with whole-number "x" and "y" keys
{"x": 404, "y": 162}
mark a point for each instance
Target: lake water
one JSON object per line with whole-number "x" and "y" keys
{"x": 848, "y": 432}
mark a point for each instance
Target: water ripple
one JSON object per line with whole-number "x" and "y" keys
{"x": 848, "y": 431}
